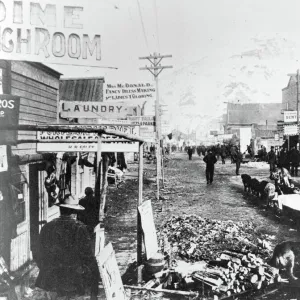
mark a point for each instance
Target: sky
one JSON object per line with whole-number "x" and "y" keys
{"x": 221, "y": 51}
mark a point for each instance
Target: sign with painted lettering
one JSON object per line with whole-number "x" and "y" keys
{"x": 9, "y": 115}
{"x": 110, "y": 274}
{"x": 142, "y": 120}
{"x": 3, "y": 158}
{"x": 127, "y": 146}
{"x": 290, "y": 130}
{"x": 290, "y": 116}
{"x": 44, "y": 136}
{"x": 48, "y": 31}
{"x": 150, "y": 237}
{"x": 80, "y": 109}
{"x": 147, "y": 133}
{"x": 128, "y": 91}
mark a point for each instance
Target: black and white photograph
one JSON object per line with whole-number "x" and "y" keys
{"x": 149, "y": 149}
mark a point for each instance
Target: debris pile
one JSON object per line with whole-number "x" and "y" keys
{"x": 194, "y": 238}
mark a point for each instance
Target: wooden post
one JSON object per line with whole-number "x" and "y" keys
{"x": 99, "y": 146}
{"x": 139, "y": 225}
{"x": 78, "y": 182}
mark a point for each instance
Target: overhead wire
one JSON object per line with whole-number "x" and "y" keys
{"x": 143, "y": 25}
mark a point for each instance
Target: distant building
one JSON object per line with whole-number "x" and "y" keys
{"x": 289, "y": 94}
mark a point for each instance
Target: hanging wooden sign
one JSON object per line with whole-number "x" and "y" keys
{"x": 148, "y": 226}
{"x": 9, "y": 115}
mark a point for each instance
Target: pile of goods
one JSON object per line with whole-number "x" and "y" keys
{"x": 194, "y": 238}
{"x": 224, "y": 257}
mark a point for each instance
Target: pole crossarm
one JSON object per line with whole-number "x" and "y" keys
{"x": 155, "y": 56}
{"x": 71, "y": 128}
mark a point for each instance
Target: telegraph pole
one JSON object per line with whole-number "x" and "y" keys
{"x": 155, "y": 69}
{"x": 297, "y": 104}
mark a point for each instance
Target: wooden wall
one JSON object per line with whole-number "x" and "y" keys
{"x": 38, "y": 88}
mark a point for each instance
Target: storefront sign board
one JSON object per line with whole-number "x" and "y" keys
{"x": 3, "y": 158}
{"x": 143, "y": 120}
{"x": 88, "y": 147}
{"x": 49, "y": 31}
{"x": 290, "y": 130}
{"x": 89, "y": 109}
{"x": 290, "y": 116}
{"x": 9, "y": 115}
{"x": 148, "y": 226}
{"x": 86, "y": 136}
{"x": 110, "y": 274}
{"x": 128, "y": 91}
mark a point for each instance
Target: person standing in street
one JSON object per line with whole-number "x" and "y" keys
{"x": 210, "y": 160}
{"x": 294, "y": 159}
{"x": 272, "y": 159}
{"x": 238, "y": 160}
{"x": 68, "y": 267}
{"x": 90, "y": 215}
{"x": 190, "y": 152}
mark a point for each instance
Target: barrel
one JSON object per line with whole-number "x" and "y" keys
{"x": 154, "y": 264}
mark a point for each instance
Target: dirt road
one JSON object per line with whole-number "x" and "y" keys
{"x": 186, "y": 192}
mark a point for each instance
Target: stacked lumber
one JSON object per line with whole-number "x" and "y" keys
{"x": 194, "y": 238}
{"x": 235, "y": 272}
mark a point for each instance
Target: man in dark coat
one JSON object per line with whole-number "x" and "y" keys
{"x": 238, "y": 160}
{"x": 90, "y": 215}
{"x": 210, "y": 160}
{"x": 66, "y": 261}
{"x": 190, "y": 152}
{"x": 272, "y": 159}
{"x": 294, "y": 159}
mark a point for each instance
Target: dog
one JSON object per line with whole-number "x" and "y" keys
{"x": 246, "y": 182}
{"x": 269, "y": 193}
{"x": 262, "y": 186}
{"x": 254, "y": 186}
{"x": 284, "y": 256}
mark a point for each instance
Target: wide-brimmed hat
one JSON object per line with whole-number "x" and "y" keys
{"x": 70, "y": 202}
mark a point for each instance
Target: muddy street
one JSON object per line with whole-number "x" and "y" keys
{"x": 186, "y": 192}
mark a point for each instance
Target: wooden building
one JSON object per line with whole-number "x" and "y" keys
{"x": 25, "y": 208}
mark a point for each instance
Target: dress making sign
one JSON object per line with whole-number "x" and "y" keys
{"x": 48, "y": 31}
{"x": 9, "y": 115}
{"x": 81, "y": 109}
{"x": 128, "y": 91}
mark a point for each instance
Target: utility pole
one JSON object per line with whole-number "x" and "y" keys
{"x": 297, "y": 104}
{"x": 155, "y": 69}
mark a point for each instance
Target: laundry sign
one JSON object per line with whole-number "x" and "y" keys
{"x": 89, "y": 109}
{"x": 51, "y": 31}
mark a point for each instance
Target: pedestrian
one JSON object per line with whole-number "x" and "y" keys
{"x": 210, "y": 160}
{"x": 294, "y": 158}
{"x": 284, "y": 160}
{"x": 90, "y": 215}
{"x": 272, "y": 159}
{"x": 190, "y": 152}
{"x": 238, "y": 160}
{"x": 68, "y": 267}
{"x": 223, "y": 154}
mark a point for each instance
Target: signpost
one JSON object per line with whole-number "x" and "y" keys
{"x": 148, "y": 226}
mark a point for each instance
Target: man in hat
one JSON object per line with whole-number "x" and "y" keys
{"x": 272, "y": 159}
{"x": 210, "y": 160}
{"x": 68, "y": 267}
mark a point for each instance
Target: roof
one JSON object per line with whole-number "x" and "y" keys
{"x": 292, "y": 81}
{"x": 81, "y": 89}
{"x": 254, "y": 113}
{"x": 45, "y": 68}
